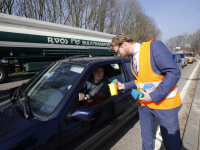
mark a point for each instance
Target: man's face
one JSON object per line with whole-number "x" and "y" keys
{"x": 121, "y": 50}
{"x": 98, "y": 74}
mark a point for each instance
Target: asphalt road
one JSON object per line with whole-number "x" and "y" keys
{"x": 128, "y": 137}
{"x": 16, "y": 80}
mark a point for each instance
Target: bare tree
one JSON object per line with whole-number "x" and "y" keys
{"x": 195, "y": 43}
{"x": 110, "y": 16}
{"x": 171, "y": 43}
{"x": 132, "y": 20}
{"x": 7, "y": 6}
{"x": 76, "y": 12}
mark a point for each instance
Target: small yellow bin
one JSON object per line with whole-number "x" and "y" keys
{"x": 113, "y": 89}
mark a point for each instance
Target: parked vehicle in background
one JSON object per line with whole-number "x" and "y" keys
{"x": 46, "y": 112}
{"x": 184, "y": 60}
{"x": 190, "y": 57}
{"x": 177, "y": 58}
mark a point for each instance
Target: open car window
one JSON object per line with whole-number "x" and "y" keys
{"x": 101, "y": 92}
{"x": 114, "y": 71}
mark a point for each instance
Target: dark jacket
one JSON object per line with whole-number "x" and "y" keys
{"x": 98, "y": 91}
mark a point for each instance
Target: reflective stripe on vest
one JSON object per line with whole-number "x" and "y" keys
{"x": 147, "y": 79}
{"x": 155, "y": 85}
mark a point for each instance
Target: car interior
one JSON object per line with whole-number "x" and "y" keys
{"x": 111, "y": 72}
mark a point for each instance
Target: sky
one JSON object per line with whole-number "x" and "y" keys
{"x": 173, "y": 17}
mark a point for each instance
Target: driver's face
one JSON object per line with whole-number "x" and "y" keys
{"x": 98, "y": 74}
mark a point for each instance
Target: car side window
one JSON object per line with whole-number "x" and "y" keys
{"x": 114, "y": 71}
{"x": 95, "y": 88}
{"x": 129, "y": 71}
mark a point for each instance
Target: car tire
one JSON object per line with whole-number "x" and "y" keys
{"x": 3, "y": 75}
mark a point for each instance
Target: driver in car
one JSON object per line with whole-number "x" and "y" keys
{"x": 95, "y": 89}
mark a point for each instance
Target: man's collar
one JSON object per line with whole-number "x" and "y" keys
{"x": 137, "y": 48}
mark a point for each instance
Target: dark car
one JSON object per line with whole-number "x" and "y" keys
{"x": 177, "y": 59}
{"x": 45, "y": 113}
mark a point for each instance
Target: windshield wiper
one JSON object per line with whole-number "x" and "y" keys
{"x": 27, "y": 100}
{"x": 17, "y": 92}
{"x": 13, "y": 97}
{"x": 27, "y": 106}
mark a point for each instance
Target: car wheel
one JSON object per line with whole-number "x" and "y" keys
{"x": 3, "y": 75}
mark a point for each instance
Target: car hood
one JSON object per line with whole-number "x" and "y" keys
{"x": 12, "y": 122}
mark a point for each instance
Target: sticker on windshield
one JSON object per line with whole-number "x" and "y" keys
{"x": 77, "y": 69}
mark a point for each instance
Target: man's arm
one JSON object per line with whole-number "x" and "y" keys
{"x": 130, "y": 85}
{"x": 126, "y": 86}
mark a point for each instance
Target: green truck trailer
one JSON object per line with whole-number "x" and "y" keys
{"x": 35, "y": 44}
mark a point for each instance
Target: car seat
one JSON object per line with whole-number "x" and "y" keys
{"x": 109, "y": 73}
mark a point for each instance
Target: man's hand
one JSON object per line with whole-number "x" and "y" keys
{"x": 120, "y": 86}
{"x": 146, "y": 97}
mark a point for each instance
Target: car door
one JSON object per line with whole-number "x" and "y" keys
{"x": 108, "y": 115}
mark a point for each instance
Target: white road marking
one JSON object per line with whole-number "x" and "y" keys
{"x": 185, "y": 88}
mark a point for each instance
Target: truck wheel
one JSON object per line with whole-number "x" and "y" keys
{"x": 3, "y": 75}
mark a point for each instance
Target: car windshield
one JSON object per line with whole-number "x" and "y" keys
{"x": 47, "y": 90}
{"x": 189, "y": 54}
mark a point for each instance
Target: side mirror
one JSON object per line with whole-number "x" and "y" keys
{"x": 83, "y": 114}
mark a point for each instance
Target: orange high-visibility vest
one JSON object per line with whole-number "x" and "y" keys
{"x": 146, "y": 75}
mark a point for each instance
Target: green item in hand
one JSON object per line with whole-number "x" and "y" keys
{"x": 137, "y": 94}
{"x": 114, "y": 81}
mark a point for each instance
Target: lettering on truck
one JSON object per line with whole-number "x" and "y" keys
{"x": 53, "y": 40}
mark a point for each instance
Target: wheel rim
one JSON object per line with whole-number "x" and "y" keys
{"x": 0, "y": 74}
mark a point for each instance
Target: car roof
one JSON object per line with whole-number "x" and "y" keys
{"x": 174, "y": 53}
{"x": 89, "y": 60}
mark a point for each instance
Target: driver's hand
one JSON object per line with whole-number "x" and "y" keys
{"x": 81, "y": 96}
